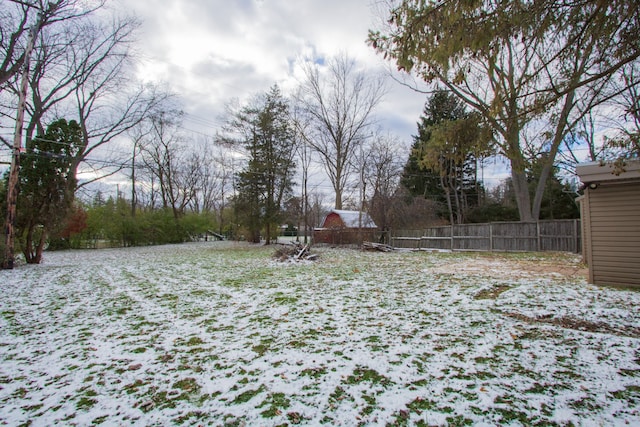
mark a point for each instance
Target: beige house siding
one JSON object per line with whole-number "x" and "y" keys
{"x": 584, "y": 232}
{"x": 612, "y": 221}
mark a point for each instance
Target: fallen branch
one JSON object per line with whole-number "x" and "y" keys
{"x": 370, "y": 246}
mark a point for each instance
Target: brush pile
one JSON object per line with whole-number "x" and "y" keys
{"x": 295, "y": 251}
{"x": 370, "y": 246}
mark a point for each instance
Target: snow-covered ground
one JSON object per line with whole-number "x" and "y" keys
{"x": 219, "y": 333}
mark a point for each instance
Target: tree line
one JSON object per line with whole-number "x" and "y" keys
{"x": 529, "y": 82}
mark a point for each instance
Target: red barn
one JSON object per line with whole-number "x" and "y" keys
{"x": 345, "y": 227}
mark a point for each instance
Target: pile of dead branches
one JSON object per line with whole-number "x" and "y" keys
{"x": 295, "y": 251}
{"x": 371, "y": 246}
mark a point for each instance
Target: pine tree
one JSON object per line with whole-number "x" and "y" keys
{"x": 442, "y": 164}
{"x": 267, "y": 178}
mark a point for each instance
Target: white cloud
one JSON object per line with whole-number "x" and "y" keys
{"x": 210, "y": 52}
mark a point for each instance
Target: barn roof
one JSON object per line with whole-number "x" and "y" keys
{"x": 352, "y": 219}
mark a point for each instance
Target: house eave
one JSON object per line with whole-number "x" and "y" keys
{"x": 596, "y": 172}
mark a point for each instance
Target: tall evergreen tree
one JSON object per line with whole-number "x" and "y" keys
{"x": 442, "y": 164}
{"x": 264, "y": 183}
{"x": 418, "y": 178}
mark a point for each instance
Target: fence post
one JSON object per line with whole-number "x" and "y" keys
{"x": 538, "y": 245}
{"x": 451, "y": 234}
{"x": 575, "y": 236}
{"x": 490, "y": 237}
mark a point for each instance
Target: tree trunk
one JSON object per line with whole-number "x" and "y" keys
{"x": 521, "y": 189}
{"x": 447, "y": 193}
{"x": 133, "y": 182}
{"x": 33, "y": 254}
{"x": 267, "y": 237}
{"x": 560, "y": 133}
{"x": 338, "y": 204}
{"x": 40, "y": 247}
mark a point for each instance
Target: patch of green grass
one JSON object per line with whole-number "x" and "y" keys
{"x": 276, "y": 402}
{"x": 585, "y": 405}
{"x": 143, "y": 323}
{"x": 122, "y": 310}
{"x": 314, "y": 372}
{"x": 538, "y": 388}
{"x": 338, "y": 395}
{"x": 483, "y": 375}
{"x": 189, "y": 385}
{"x": 370, "y": 406}
{"x": 630, "y": 393}
{"x": 85, "y": 402}
{"x": 139, "y": 350}
{"x": 19, "y": 393}
{"x": 568, "y": 375}
{"x": 8, "y": 314}
{"x": 509, "y": 415}
{"x": 492, "y": 293}
{"x": 190, "y": 416}
{"x": 32, "y": 407}
{"x": 361, "y": 374}
{"x": 419, "y": 404}
{"x": 294, "y": 417}
{"x": 134, "y": 386}
{"x": 169, "y": 297}
{"x": 459, "y": 420}
{"x": 246, "y": 396}
{"x": 261, "y": 348}
{"x": 629, "y": 372}
{"x": 283, "y": 299}
{"x": 297, "y": 344}
{"x": 99, "y": 420}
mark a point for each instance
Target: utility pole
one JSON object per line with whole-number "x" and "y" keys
{"x": 12, "y": 186}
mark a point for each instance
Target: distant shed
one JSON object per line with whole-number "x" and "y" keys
{"x": 610, "y": 211}
{"x": 345, "y": 227}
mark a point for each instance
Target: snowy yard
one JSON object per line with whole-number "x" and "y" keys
{"x": 219, "y": 333}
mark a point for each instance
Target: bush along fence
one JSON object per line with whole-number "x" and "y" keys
{"x": 552, "y": 235}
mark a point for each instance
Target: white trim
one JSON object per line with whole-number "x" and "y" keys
{"x": 597, "y": 172}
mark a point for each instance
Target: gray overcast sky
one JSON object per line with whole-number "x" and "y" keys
{"x": 211, "y": 51}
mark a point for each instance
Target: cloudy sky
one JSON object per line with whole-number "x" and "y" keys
{"x": 212, "y": 51}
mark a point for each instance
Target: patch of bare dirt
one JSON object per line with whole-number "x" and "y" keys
{"x": 492, "y": 293}
{"x": 505, "y": 267}
{"x": 579, "y": 325}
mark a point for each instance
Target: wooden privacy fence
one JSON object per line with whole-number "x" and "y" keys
{"x": 552, "y": 235}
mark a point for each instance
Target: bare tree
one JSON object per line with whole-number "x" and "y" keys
{"x": 208, "y": 189}
{"x": 82, "y": 69}
{"x": 176, "y": 171}
{"x": 137, "y": 135}
{"x": 626, "y": 144}
{"x": 301, "y": 123}
{"x": 19, "y": 17}
{"x": 340, "y": 101}
{"x": 384, "y": 171}
{"x": 226, "y": 169}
